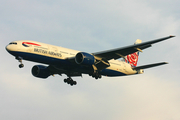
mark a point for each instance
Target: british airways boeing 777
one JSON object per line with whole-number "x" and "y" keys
{"x": 61, "y": 60}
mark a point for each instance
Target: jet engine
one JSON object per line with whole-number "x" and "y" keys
{"x": 40, "y": 71}
{"x": 84, "y": 58}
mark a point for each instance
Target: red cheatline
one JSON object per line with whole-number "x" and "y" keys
{"x": 31, "y": 43}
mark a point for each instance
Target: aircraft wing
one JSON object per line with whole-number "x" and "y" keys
{"x": 123, "y": 51}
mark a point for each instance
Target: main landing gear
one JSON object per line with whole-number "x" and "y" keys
{"x": 20, "y": 60}
{"x": 70, "y": 81}
{"x": 95, "y": 75}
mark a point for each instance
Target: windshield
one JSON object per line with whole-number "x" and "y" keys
{"x": 15, "y": 43}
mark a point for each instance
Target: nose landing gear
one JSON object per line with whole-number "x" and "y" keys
{"x": 70, "y": 81}
{"x": 21, "y": 65}
{"x": 20, "y": 60}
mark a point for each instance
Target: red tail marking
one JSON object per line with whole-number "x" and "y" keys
{"x": 133, "y": 59}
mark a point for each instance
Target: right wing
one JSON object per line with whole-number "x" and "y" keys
{"x": 123, "y": 51}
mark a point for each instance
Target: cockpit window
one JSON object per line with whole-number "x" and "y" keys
{"x": 15, "y": 43}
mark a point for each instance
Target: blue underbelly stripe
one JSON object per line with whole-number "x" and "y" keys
{"x": 110, "y": 73}
{"x": 60, "y": 62}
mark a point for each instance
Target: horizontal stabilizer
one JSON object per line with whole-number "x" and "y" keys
{"x": 149, "y": 66}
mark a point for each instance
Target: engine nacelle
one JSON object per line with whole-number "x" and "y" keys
{"x": 40, "y": 71}
{"x": 84, "y": 58}
{"x": 141, "y": 71}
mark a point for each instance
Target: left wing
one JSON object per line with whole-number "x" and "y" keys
{"x": 123, "y": 51}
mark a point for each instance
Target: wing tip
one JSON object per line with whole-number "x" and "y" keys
{"x": 172, "y": 36}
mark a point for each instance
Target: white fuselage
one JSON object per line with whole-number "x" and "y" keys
{"x": 39, "y": 51}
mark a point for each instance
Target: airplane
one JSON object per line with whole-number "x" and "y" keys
{"x": 73, "y": 63}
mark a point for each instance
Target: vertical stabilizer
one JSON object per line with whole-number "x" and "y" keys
{"x": 132, "y": 59}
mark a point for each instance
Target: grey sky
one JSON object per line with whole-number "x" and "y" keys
{"x": 91, "y": 26}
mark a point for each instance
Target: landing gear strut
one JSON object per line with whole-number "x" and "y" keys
{"x": 20, "y": 60}
{"x": 95, "y": 74}
{"x": 70, "y": 81}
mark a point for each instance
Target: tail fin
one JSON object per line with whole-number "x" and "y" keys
{"x": 132, "y": 59}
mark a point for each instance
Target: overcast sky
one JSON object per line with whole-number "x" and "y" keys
{"x": 91, "y": 26}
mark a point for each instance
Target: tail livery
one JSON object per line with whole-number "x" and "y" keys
{"x": 132, "y": 59}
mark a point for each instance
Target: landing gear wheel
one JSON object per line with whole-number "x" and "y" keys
{"x": 74, "y": 82}
{"x": 65, "y": 80}
{"x": 20, "y": 60}
{"x": 70, "y": 81}
{"x": 21, "y": 66}
{"x": 96, "y": 75}
{"x": 71, "y": 84}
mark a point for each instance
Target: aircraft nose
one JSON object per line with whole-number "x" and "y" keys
{"x": 8, "y": 48}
